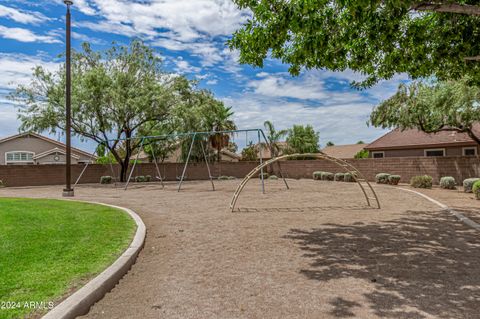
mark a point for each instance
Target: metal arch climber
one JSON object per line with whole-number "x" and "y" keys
{"x": 365, "y": 186}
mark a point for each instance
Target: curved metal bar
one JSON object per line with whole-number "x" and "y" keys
{"x": 358, "y": 176}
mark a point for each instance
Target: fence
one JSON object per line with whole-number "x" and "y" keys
{"x": 458, "y": 167}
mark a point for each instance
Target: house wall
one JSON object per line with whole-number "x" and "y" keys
{"x": 420, "y": 152}
{"x": 407, "y": 167}
{"x": 31, "y": 144}
{"x": 50, "y": 159}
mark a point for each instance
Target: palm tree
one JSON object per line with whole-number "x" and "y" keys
{"x": 219, "y": 119}
{"x": 274, "y": 137}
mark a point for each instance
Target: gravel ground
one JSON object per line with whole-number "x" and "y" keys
{"x": 314, "y": 251}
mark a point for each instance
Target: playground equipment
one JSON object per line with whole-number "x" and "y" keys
{"x": 145, "y": 140}
{"x": 367, "y": 189}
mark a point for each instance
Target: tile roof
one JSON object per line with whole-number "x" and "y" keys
{"x": 344, "y": 151}
{"x": 413, "y": 138}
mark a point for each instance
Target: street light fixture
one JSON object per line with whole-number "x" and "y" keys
{"x": 68, "y": 191}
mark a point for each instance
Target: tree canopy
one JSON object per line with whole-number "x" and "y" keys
{"x": 432, "y": 107}
{"x": 302, "y": 139}
{"x": 376, "y": 38}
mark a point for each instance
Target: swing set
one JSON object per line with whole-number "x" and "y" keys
{"x": 195, "y": 137}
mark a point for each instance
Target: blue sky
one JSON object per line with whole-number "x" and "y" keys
{"x": 190, "y": 36}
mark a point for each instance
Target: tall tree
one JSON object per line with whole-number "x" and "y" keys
{"x": 114, "y": 93}
{"x": 219, "y": 118}
{"x": 432, "y": 107}
{"x": 274, "y": 137}
{"x": 377, "y": 38}
{"x": 330, "y": 143}
{"x": 303, "y": 139}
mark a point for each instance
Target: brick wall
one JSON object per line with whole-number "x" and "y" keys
{"x": 458, "y": 167}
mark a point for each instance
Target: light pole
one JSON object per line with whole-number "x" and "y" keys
{"x": 68, "y": 191}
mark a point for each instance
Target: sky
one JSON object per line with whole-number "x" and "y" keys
{"x": 190, "y": 37}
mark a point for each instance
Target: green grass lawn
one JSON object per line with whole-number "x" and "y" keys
{"x": 50, "y": 247}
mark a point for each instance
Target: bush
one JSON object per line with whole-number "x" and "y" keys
{"x": 2, "y": 184}
{"x": 382, "y": 178}
{"x": 339, "y": 177}
{"x": 349, "y": 177}
{"x": 140, "y": 179}
{"x": 273, "y": 177}
{"x": 468, "y": 184}
{"x": 230, "y": 178}
{"x": 106, "y": 180}
{"x": 448, "y": 182}
{"x": 423, "y": 181}
{"x": 327, "y": 176}
{"x": 148, "y": 178}
{"x": 223, "y": 178}
{"x": 476, "y": 189}
{"x": 265, "y": 175}
{"x": 317, "y": 175}
{"x": 394, "y": 179}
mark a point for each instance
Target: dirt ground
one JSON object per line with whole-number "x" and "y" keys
{"x": 315, "y": 251}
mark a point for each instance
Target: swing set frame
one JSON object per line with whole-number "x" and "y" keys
{"x": 193, "y": 135}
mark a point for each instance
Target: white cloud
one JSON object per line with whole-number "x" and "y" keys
{"x": 16, "y": 69}
{"x": 22, "y": 16}
{"x": 306, "y": 87}
{"x": 178, "y": 25}
{"x": 25, "y": 35}
{"x": 183, "y": 66}
{"x": 85, "y": 38}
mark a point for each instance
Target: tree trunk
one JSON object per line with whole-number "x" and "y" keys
{"x": 124, "y": 170}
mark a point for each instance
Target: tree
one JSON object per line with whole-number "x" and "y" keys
{"x": 432, "y": 107}
{"x": 249, "y": 153}
{"x": 330, "y": 143}
{"x": 114, "y": 93}
{"x": 302, "y": 139}
{"x": 375, "y": 38}
{"x": 274, "y": 137}
{"x": 219, "y": 118}
{"x": 361, "y": 154}
{"x": 360, "y": 142}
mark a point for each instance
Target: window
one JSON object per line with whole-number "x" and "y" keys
{"x": 469, "y": 151}
{"x": 19, "y": 157}
{"x": 435, "y": 152}
{"x": 378, "y": 154}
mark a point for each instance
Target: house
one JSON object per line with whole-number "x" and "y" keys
{"x": 415, "y": 143}
{"x": 32, "y": 148}
{"x": 343, "y": 151}
{"x": 263, "y": 150}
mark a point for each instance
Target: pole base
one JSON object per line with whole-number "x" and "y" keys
{"x": 68, "y": 193}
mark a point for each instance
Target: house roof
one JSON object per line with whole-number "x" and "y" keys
{"x": 344, "y": 151}
{"x": 413, "y": 138}
{"x": 53, "y": 150}
{"x": 6, "y": 139}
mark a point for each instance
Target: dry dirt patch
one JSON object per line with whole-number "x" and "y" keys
{"x": 315, "y": 251}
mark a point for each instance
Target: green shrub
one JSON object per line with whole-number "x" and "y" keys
{"x": 394, "y": 179}
{"x": 327, "y": 176}
{"x": 106, "y": 180}
{"x": 231, "y": 178}
{"x": 317, "y": 175}
{"x": 382, "y": 178}
{"x": 2, "y": 184}
{"x": 265, "y": 175}
{"x": 448, "y": 182}
{"x": 273, "y": 177}
{"x": 476, "y": 189}
{"x": 468, "y": 184}
{"x": 349, "y": 177}
{"x": 339, "y": 177}
{"x": 148, "y": 178}
{"x": 423, "y": 181}
{"x": 140, "y": 179}
{"x": 223, "y": 178}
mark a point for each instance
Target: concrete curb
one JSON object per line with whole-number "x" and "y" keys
{"x": 467, "y": 221}
{"x": 80, "y": 302}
